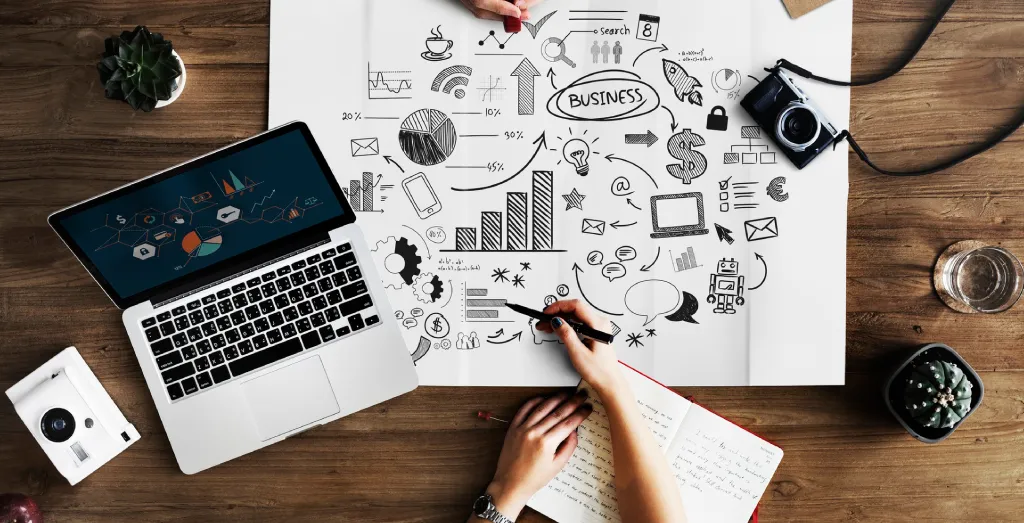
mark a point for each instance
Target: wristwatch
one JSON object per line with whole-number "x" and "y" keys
{"x": 484, "y": 508}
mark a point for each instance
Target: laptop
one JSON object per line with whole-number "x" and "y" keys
{"x": 249, "y": 295}
{"x": 675, "y": 215}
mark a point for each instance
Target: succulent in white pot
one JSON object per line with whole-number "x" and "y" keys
{"x": 142, "y": 69}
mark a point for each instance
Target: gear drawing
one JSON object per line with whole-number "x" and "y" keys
{"x": 399, "y": 259}
{"x": 427, "y": 288}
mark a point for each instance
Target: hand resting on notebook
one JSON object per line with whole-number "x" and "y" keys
{"x": 542, "y": 436}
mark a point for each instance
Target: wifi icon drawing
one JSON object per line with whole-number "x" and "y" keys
{"x": 452, "y": 80}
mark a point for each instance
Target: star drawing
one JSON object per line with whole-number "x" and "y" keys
{"x": 633, "y": 340}
{"x": 499, "y": 275}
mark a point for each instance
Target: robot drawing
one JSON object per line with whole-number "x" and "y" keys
{"x": 726, "y": 287}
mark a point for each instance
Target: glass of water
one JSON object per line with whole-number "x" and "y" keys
{"x": 973, "y": 277}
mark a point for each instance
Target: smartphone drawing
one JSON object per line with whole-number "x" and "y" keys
{"x": 417, "y": 188}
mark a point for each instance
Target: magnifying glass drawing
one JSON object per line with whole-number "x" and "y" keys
{"x": 553, "y": 50}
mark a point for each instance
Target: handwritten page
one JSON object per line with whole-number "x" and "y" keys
{"x": 585, "y": 489}
{"x": 721, "y": 469}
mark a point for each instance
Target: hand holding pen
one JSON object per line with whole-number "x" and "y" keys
{"x": 595, "y": 361}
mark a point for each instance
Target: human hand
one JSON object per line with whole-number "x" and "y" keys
{"x": 496, "y": 9}
{"x": 539, "y": 442}
{"x": 595, "y": 361}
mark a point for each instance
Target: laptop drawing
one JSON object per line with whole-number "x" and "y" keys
{"x": 675, "y": 215}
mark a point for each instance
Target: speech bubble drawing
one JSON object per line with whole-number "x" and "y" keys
{"x": 436, "y": 234}
{"x": 417, "y": 312}
{"x": 625, "y": 253}
{"x": 652, "y": 298}
{"x": 595, "y": 257}
{"x": 409, "y": 323}
{"x": 399, "y": 315}
{"x": 613, "y": 271}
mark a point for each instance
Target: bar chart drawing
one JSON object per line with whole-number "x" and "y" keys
{"x": 507, "y": 231}
{"x": 360, "y": 194}
{"x": 480, "y": 306}
{"x": 685, "y": 261}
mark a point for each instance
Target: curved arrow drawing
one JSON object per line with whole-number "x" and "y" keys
{"x": 647, "y": 267}
{"x": 576, "y": 268}
{"x": 758, "y": 256}
{"x": 674, "y": 124}
{"x": 515, "y": 336}
{"x": 389, "y": 160}
{"x": 633, "y": 205}
{"x": 611, "y": 157}
{"x": 552, "y": 74}
{"x": 541, "y": 142}
{"x": 496, "y": 335}
{"x": 617, "y": 225}
{"x": 662, "y": 48}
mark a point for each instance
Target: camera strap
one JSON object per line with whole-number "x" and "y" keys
{"x": 907, "y": 58}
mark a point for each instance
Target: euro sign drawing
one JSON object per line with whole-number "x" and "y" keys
{"x": 693, "y": 164}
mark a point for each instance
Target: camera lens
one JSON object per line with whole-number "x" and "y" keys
{"x": 797, "y": 126}
{"x": 58, "y": 425}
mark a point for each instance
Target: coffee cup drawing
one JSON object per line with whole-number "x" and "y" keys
{"x": 437, "y": 46}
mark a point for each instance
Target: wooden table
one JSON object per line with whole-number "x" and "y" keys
{"x": 423, "y": 457}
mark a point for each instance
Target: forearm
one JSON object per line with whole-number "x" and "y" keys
{"x": 645, "y": 487}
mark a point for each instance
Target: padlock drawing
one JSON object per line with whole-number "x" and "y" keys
{"x": 718, "y": 120}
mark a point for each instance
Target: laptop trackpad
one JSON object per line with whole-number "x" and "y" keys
{"x": 291, "y": 397}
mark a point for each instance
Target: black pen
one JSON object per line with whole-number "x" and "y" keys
{"x": 581, "y": 329}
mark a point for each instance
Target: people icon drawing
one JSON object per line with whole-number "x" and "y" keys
{"x": 617, "y": 51}
{"x": 474, "y": 341}
{"x": 462, "y": 343}
{"x": 595, "y": 50}
{"x": 605, "y": 50}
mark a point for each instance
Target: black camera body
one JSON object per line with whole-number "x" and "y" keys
{"x": 792, "y": 121}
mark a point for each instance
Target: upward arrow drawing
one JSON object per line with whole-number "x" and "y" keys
{"x": 527, "y": 75}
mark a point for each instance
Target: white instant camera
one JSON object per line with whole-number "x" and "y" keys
{"x": 71, "y": 415}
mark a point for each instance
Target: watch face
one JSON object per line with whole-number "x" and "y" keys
{"x": 481, "y": 504}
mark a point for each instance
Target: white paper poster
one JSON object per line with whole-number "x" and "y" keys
{"x": 600, "y": 154}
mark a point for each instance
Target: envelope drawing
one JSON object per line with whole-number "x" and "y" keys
{"x": 761, "y": 229}
{"x": 365, "y": 147}
{"x": 592, "y": 226}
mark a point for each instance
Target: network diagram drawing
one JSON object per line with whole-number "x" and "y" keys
{"x": 599, "y": 155}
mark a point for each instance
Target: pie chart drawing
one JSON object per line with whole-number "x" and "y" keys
{"x": 427, "y": 137}
{"x": 726, "y": 79}
{"x": 203, "y": 241}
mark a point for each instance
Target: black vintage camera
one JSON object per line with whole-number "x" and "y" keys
{"x": 794, "y": 123}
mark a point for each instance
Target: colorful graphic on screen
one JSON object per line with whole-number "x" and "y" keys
{"x": 238, "y": 203}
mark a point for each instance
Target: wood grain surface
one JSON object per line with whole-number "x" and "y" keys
{"x": 423, "y": 457}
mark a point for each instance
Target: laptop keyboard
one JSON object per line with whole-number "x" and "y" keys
{"x": 266, "y": 318}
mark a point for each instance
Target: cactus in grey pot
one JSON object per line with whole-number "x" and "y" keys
{"x": 938, "y": 394}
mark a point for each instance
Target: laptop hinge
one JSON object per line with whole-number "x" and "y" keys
{"x": 179, "y": 294}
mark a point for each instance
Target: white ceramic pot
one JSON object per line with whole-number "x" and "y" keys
{"x": 181, "y": 84}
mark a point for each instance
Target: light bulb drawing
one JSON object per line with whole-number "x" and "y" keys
{"x": 577, "y": 152}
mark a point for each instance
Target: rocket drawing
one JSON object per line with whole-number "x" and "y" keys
{"x": 684, "y": 84}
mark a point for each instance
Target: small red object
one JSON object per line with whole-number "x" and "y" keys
{"x": 513, "y": 24}
{"x": 488, "y": 416}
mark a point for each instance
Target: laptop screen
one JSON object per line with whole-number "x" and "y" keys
{"x": 223, "y": 207}
{"x": 680, "y": 211}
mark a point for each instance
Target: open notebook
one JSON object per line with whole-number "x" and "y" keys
{"x": 721, "y": 469}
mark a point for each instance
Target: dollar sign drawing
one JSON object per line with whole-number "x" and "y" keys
{"x": 121, "y": 220}
{"x": 693, "y": 165}
{"x": 436, "y": 327}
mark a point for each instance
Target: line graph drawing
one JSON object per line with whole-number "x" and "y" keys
{"x": 492, "y": 36}
{"x": 387, "y": 85}
{"x": 261, "y": 202}
{"x": 492, "y": 89}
